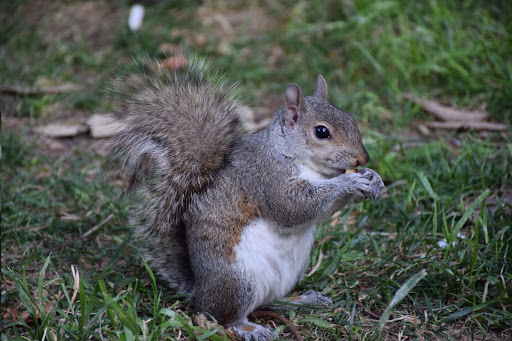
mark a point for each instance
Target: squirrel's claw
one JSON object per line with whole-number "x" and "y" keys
{"x": 375, "y": 186}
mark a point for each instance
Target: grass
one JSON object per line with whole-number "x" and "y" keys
{"x": 430, "y": 259}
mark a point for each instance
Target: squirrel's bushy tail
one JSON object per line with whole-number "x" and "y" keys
{"x": 179, "y": 127}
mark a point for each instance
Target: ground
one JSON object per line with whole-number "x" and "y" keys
{"x": 429, "y": 259}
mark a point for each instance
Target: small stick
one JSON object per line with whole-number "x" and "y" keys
{"x": 49, "y": 90}
{"x": 369, "y": 312}
{"x": 291, "y": 327}
{"x": 98, "y": 226}
{"x": 468, "y": 125}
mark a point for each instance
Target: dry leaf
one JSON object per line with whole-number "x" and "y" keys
{"x": 61, "y": 129}
{"x": 172, "y": 63}
{"x": 25, "y": 315}
{"x": 200, "y": 320}
{"x": 10, "y": 314}
{"x": 102, "y": 126}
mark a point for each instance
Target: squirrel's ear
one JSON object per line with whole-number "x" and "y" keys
{"x": 321, "y": 88}
{"x": 294, "y": 103}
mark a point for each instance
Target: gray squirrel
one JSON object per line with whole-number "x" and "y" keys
{"x": 228, "y": 218}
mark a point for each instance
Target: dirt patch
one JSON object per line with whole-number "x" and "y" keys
{"x": 90, "y": 21}
{"x": 223, "y": 22}
{"x": 31, "y": 12}
{"x": 226, "y": 19}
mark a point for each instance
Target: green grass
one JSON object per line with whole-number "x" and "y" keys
{"x": 380, "y": 262}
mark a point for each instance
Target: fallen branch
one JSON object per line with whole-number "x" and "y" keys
{"x": 468, "y": 125}
{"x": 445, "y": 113}
{"x": 46, "y": 90}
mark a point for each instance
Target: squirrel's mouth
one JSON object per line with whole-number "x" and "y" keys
{"x": 335, "y": 171}
{"x": 345, "y": 171}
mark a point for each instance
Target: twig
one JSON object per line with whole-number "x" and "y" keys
{"x": 98, "y": 226}
{"x": 229, "y": 333}
{"x": 399, "y": 319}
{"x": 468, "y": 125}
{"x": 85, "y": 236}
{"x": 369, "y": 312}
{"x": 57, "y": 89}
{"x": 416, "y": 328}
{"x": 291, "y": 327}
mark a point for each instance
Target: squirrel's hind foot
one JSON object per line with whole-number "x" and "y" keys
{"x": 253, "y": 332}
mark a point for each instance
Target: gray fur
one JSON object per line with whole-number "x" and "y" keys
{"x": 201, "y": 182}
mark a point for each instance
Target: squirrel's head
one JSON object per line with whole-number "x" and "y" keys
{"x": 328, "y": 139}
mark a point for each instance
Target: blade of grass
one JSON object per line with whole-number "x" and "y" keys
{"x": 122, "y": 314}
{"x": 351, "y": 322}
{"x": 426, "y": 184}
{"x": 156, "y": 299}
{"x": 400, "y": 295}
{"x": 83, "y": 304}
{"x": 468, "y": 213}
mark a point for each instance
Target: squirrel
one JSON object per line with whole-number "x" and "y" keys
{"x": 228, "y": 217}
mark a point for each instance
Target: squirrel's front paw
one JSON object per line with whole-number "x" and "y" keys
{"x": 375, "y": 185}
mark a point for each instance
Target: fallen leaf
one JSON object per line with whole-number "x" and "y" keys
{"x": 104, "y": 125}
{"x": 61, "y": 129}
{"x": 200, "y": 320}
{"x": 25, "y": 315}
{"x": 10, "y": 314}
{"x": 172, "y": 63}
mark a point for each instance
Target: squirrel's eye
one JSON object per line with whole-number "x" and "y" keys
{"x": 322, "y": 132}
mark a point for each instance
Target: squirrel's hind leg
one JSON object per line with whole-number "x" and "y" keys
{"x": 250, "y": 331}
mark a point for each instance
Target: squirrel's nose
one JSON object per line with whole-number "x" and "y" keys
{"x": 362, "y": 159}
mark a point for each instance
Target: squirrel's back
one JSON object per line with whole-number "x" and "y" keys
{"x": 180, "y": 125}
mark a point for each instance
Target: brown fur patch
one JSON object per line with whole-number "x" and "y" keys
{"x": 242, "y": 213}
{"x": 248, "y": 328}
{"x": 222, "y": 214}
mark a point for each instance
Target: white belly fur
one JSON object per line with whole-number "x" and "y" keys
{"x": 276, "y": 260}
